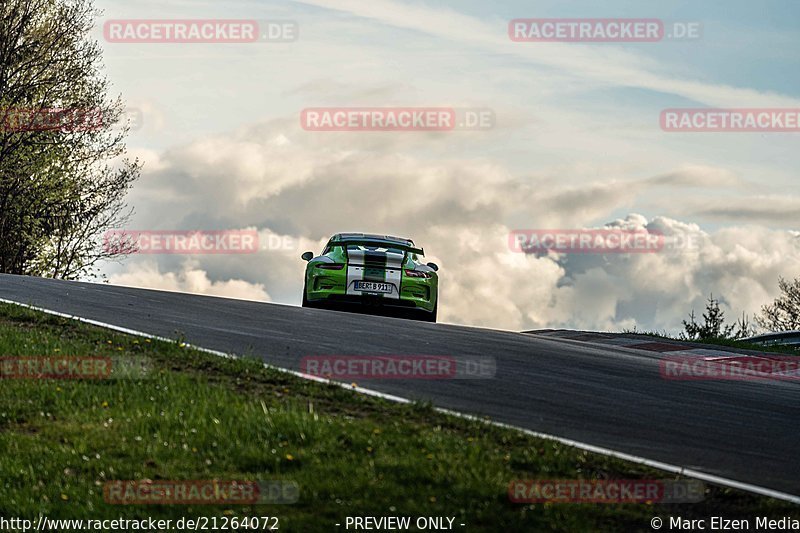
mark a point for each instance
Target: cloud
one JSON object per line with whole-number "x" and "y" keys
{"x": 655, "y": 291}
{"x": 698, "y": 176}
{"x": 189, "y": 279}
{"x": 775, "y": 210}
{"x": 287, "y": 183}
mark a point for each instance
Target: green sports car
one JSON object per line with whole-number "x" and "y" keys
{"x": 374, "y": 271}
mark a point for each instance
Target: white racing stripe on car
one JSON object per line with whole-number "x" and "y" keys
{"x": 390, "y": 269}
{"x": 394, "y": 259}
{"x": 394, "y": 272}
{"x": 354, "y": 273}
{"x": 393, "y": 277}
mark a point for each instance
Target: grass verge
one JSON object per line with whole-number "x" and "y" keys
{"x": 729, "y": 343}
{"x": 199, "y": 417}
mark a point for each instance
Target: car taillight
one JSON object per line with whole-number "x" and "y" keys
{"x": 330, "y": 266}
{"x": 417, "y": 274}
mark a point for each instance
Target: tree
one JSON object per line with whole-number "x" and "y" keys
{"x": 784, "y": 313}
{"x": 63, "y": 175}
{"x": 744, "y": 328}
{"x": 713, "y": 326}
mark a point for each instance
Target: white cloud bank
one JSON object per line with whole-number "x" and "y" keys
{"x": 189, "y": 279}
{"x": 288, "y": 182}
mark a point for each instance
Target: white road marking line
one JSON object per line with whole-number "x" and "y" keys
{"x": 667, "y": 467}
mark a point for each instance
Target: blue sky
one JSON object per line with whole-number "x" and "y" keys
{"x": 577, "y": 143}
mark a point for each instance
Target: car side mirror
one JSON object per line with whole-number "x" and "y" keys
{"x": 308, "y": 256}
{"x": 434, "y": 266}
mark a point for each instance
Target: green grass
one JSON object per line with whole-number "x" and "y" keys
{"x": 198, "y": 416}
{"x": 730, "y": 343}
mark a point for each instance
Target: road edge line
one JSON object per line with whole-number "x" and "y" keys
{"x": 667, "y": 467}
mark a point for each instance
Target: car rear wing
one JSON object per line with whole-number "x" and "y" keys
{"x": 379, "y": 244}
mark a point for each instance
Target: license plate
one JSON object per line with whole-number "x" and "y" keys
{"x": 372, "y": 286}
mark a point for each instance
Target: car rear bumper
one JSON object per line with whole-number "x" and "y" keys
{"x": 369, "y": 301}
{"x": 336, "y": 287}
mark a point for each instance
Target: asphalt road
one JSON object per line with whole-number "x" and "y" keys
{"x": 603, "y": 395}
